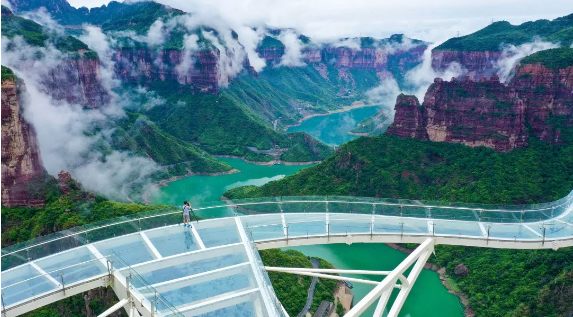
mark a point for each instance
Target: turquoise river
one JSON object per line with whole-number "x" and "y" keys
{"x": 429, "y": 298}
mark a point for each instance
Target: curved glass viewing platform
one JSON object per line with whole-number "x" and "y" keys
{"x": 161, "y": 268}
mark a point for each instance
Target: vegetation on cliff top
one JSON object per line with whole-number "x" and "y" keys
{"x": 7, "y": 73}
{"x": 37, "y": 35}
{"x": 494, "y": 35}
{"x": 513, "y": 283}
{"x": 556, "y": 58}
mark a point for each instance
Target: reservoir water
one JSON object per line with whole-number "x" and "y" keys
{"x": 333, "y": 129}
{"x": 428, "y": 298}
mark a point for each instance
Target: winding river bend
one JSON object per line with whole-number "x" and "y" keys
{"x": 429, "y": 298}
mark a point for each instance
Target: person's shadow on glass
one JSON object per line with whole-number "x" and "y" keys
{"x": 188, "y": 239}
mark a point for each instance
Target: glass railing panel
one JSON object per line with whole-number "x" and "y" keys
{"x": 301, "y": 225}
{"x": 499, "y": 216}
{"x": 458, "y": 228}
{"x": 388, "y": 210}
{"x": 350, "y": 207}
{"x": 259, "y": 208}
{"x": 415, "y": 211}
{"x": 304, "y": 207}
{"x": 453, "y": 214}
{"x": 129, "y": 249}
{"x": 14, "y": 259}
{"x": 261, "y": 220}
{"x": 146, "y": 223}
{"x": 556, "y": 230}
{"x": 267, "y": 288}
{"x": 173, "y": 240}
{"x": 511, "y": 231}
{"x": 400, "y": 226}
{"x": 218, "y": 232}
{"x": 24, "y": 282}
{"x": 267, "y": 232}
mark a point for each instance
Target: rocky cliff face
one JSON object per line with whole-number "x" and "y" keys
{"x": 478, "y": 64}
{"x": 78, "y": 81}
{"x": 538, "y": 102}
{"x": 384, "y": 60}
{"x": 21, "y": 164}
{"x": 144, "y": 66}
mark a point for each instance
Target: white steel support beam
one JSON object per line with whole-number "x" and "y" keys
{"x": 285, "y": 233}
{"x": 97, "y": 254}
{"x": 483, "y": 229}
{"x": 533, "y": 231}
{"x": 114, "y": 308}
{"x": 317, "y": 272}
{"x": 419, "y": 256}
{"x": 46, "y": 275}
{"x": 414, "y": 273}
{"x": 380, "y": 307}
{"x": 198, "y": 238}
{"x": 150, "y": 245}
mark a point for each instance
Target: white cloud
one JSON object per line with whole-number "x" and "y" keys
{"x": 334, "y": 19}
{"x": 43, "y": 17}
{"x": 7, "y": 4}
{"x": 156, "y": 34}
{"x": 231, "y": 55}
{"x": 68, "y": 134}
{"x": 99, "y": 43}
{"x": 353, "y": 43}
{"x": 189, "y": 46}
{"x": 385, "y": 94}
{"x": 511, "y": 54}
{"x": 293, "y": 49}
{"x": 419, "y": 78}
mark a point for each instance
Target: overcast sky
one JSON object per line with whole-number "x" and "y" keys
{"x": 434, "y": 20}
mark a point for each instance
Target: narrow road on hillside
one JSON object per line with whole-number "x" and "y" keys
{"x": 316, "y": 265}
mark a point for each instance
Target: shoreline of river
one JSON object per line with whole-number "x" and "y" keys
{"x": 269, "y": 163}
{"x": 343, "y": 109}
{"x": 357, "y": 133}
{"x": 463, "y": 297}
{"x": 163, "y": 183}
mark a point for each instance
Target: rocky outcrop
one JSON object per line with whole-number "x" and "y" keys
{"x": 461, "y": 270}
{"x": 409, "y": 119}
{"x": 537, "y": 102}
{"x": 476, "y": 64}
{"x": 21, "y": 163}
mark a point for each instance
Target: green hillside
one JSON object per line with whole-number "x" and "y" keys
{"x": 492, "y": 36}
{"x": 513, "y": 283}
{"x": 223, "y": 125}
{"x": 556, "y": 58}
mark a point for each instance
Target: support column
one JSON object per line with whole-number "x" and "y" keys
{"x": 417, "y": 258}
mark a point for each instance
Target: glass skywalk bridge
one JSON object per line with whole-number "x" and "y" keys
{"x": 157, "y": 267}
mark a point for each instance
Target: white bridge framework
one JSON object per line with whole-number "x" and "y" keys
{"x": 157, "y": 267}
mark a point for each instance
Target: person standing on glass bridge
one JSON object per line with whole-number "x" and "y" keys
{"x": 186, "y": 213}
